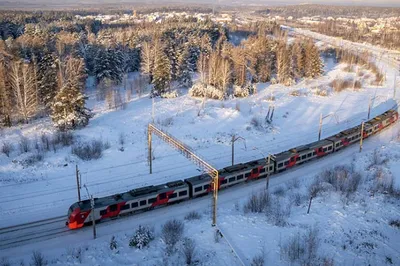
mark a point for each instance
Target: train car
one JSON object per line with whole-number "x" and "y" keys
{"x": 229, "y": 176}
{"x": 302, "y": 154}
{"x": 134, "y": 200}
{"x": 199, "y": 185}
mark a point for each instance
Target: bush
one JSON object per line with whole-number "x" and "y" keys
{"x": 90, "y": 150}
{"x": 189, "y": 251}
{"x": 296, "y": 199}
{"x": 206, "y": 91}
{"x": 258, "y": 260}
{"x": 256, "y": 122}
{"x": 171, "y": 233}
{"x": 5, "y": 262}
{"x": 279, "y": 191}
{"x": 24, "y": 144}
{"x": 193, "y": 215}
{"x": 240, "y": 92}
{"x": 342, "y": 179}
{"x": 170, "y": 94}
{"x": 383, "y": 182}
{"x": 278, "y": 213}
{"x": 64, "y": 138}
{"x": 113, "y": 243}
{"x": 32, "y": 159}
{"x": 302, "y": 248}
{"x": 257, "y": 202}
{"x": 295, "y": 93}
{"x": 395, "y": 223}
{"x": 7, "y": 148}
{"x": 339, "y": 85}
{"x": 38, "y": 259}
{"x": 143, "y": 236}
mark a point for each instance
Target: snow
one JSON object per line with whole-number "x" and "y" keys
{"x": 48, "y": 188}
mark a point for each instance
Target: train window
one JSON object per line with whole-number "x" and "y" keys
{"x": 223, "y": 182}
{"x": 297, "y": 159}
{"x": 182, "y": 193}
{"x": 103, "y": 212}
{"x": 255, "y": 170}
{"x": 125, "y": 207}
{"x": 304, "y": 156}
{"x": 239, "y": 177}
{"x": 197, "y": 189}
{"x": 271, "y": 168}
{"x": 281, "y": 164}
{"x": 337, "y": 144}
{"x": 325, "y": 149}
{"x": 113, "y": 208}
{"x": 247, "y": 175}
{"x": 313, "y": 153}
{"x": 329, "y": 148}
{"x": 172, "y": 196}
{"x": 152, "y": 200}
{"x": 232, "y": 179}
{"x": 162, "y": 196}
{"x": 262, "y": 170}
{"x": 206, "y": 187}
{"x": 309, "y": 155}
{"x": 134, "y": 205}
{"x": 143, "y": 202}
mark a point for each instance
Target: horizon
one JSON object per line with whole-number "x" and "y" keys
{"x": 49, "y": 4}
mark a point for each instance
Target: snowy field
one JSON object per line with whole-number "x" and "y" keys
{"x": 48, "y": 188}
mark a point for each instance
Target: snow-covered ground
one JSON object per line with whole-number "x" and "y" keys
{"x": 48, "y": 188}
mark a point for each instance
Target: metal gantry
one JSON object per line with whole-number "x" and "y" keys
{"x": 188, "y": 153}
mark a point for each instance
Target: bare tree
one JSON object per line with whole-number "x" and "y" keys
{"x": 22, "y": 84}
{"x": 147, "y": 59}
{"x": 189, "y": 250}
{"x": 225, "y": 74}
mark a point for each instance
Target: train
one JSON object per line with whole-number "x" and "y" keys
{"x": 154, "y": 196}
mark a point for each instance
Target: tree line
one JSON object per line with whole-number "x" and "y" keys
{"x": 44, "y": 66}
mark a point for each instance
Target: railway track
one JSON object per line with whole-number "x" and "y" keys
{"x": 32, "y": 232}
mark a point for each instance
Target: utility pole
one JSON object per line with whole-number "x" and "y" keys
{"x": 268, "y": 173}
{"x": 233, "y": 149}
{"x": 362, "y": 135}
{"x": 78, "y": 185}
{"x": 320, "y": 127}
{"x": 93, "y": 218}
{"x": 152, "y": 110}
{"x": 150, "y": 148}
{"x": 369, "y": 107}
{"x": 234, "y": 138}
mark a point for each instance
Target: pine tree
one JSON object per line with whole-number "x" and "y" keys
{"x": 109, "y": 64}
{"x": 314, "y": 65}
{"x": 68, "y": 109}
{"x": 161, "y": 75}
{"x": 284, "y": 67}
{"x": 47, "y": 79}
{"x": 184, "y": 70}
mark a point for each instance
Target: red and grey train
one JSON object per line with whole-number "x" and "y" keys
{"x": 147, "y": 198}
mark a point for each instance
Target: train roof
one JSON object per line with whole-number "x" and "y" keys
{"x": 311, "y": 146}
{"x": 131, "y": 195}
{"x": 199, "y": 179}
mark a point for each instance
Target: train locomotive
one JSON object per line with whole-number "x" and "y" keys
{"x": 149, "y": 197}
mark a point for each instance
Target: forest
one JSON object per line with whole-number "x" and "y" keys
{"x": 46, "y": 57}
